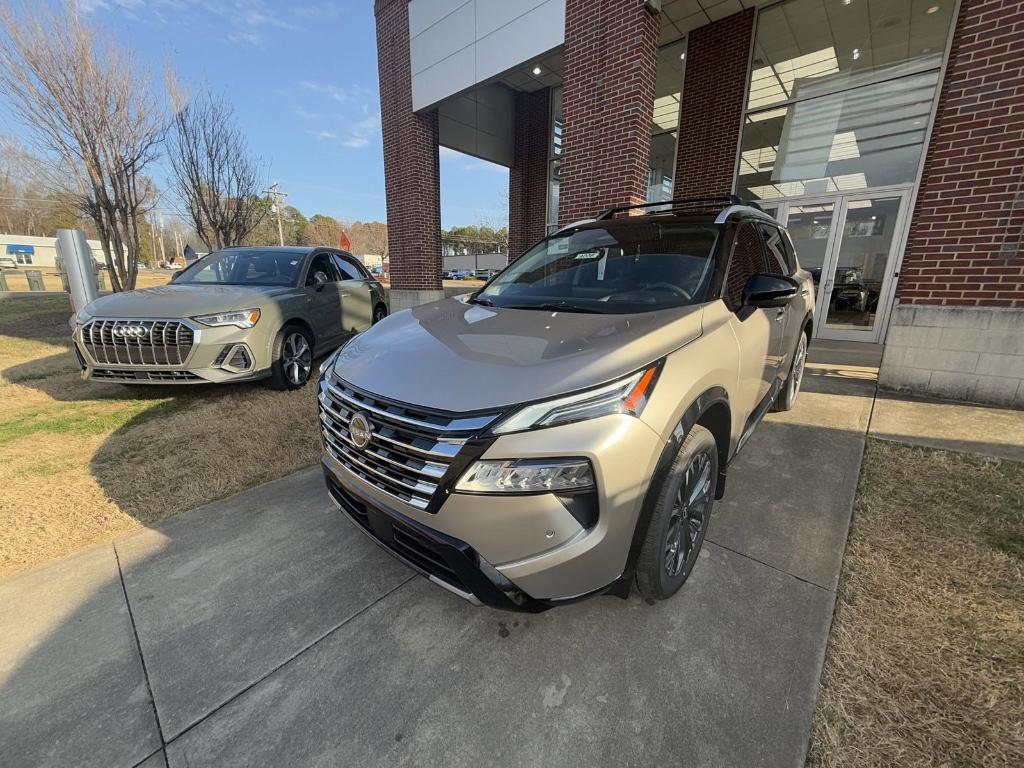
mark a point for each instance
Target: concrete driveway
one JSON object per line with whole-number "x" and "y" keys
{"x": 266, "y": 630}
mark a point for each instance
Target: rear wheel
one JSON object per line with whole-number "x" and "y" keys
{"x": 681, "y": 517}
{"x": 786, "y": 398}
{"x": 293, "y": 358}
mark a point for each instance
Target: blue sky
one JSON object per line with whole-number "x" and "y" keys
{"x": 302, "y": 77}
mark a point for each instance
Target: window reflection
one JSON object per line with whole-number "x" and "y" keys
{"x": 840, "y": 95}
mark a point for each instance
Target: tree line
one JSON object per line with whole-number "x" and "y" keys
{"x": 98, "y": 123}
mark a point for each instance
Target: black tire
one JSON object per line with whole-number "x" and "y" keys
{"x": 786, "y": 398}
{"x": 379, "y": 313}
{"x": 682, "y": 514}
{"x": 292, "y": 364}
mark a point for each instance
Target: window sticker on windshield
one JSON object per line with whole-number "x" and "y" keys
{"x": 588, "y": 255}
{"x": 600, "y": 268}
{"x": 561, "y": 245}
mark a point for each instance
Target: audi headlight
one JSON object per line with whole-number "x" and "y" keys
{"x": 241, "y": 318}
{"x": 628, "y": 395}
{"x": 527, "y": 476}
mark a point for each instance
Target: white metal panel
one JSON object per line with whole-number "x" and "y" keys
{"x": 493, "y": 14}
{"x": 443, "y": 39}
{"x": 448, "y": 76}
{"x": 498, "y": 34}
{"x": 521, "y": 39}
{"x": 425, "y": 13}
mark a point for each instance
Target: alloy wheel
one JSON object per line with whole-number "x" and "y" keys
{"x": 689, "y": 514}
{"x": 797, "y": 376}
{"x": 297, "y": 358}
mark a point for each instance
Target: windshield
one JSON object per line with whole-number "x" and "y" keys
{"x": 621, "y": 268}
{"x": 243, "y": 266}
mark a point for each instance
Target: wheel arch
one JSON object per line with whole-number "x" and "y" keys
{"x": 710, "y": 410}
{"x": 303, "y": 324}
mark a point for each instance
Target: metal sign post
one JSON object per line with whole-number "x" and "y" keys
{"x": 77, "y": 261}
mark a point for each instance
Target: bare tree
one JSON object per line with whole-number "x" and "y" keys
{"x": 214, "y": 173}
{"x": 89, "y": 107}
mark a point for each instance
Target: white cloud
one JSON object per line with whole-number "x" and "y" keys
{"x": 323, "y": 135}
{"x": 306, "y": 114}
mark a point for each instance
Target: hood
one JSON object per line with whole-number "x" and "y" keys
{"x": 466, "y": 357}
{"x": 182, "y": 300}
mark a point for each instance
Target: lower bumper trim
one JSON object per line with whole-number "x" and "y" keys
{"x": 444, "y": 560}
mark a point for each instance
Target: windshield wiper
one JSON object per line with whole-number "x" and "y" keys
{"x": 558, "y": 306}
{"x": 481, "y": 302}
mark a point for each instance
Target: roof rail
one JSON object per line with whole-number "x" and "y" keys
{"x": 723, "y": 200}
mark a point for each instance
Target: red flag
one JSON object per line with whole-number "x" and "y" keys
{"x": 343, "y": 242}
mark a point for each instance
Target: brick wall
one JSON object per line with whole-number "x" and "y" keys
{"x": 711, "y": 108}
{"x": 966, "y": 234}
{"x": 528, "y": 177}
{"x": 607, "y": 101}
{"x": 411, "y": 162}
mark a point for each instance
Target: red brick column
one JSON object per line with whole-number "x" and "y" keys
{"x": 967, "y": 234}
{"x": 711, "y": 108}
{"x": 528, "y": 177}
{"x": 411, "y": 161}
{"x": 610, "y": 57}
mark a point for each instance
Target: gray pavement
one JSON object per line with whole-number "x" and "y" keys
{"x": 273, "y": 633}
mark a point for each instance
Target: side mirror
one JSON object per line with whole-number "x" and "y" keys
{"x": 319, "y": 280}
{"x": 765, "y": 291}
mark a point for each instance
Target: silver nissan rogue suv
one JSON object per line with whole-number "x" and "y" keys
{"x": 565, "y": 430}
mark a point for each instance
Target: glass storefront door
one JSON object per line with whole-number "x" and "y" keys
{"x": 849, "y": 244}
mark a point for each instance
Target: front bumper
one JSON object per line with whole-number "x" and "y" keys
{"x": 217, "y": 355}
{"x": 535, "y": 551}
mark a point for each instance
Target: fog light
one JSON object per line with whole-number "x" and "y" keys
{"x": 527, "y": 476}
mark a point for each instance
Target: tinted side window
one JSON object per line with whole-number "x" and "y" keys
{"x": 747, "y": 260}
{"x": 775, "y": 252}
{"x": 349, "y": 270}
{"x": 322, "y": 263}
{"x": 791, "y": 260}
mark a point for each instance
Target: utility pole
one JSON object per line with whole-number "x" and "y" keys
{"x": 163, "y": 256}
{"x": 276, "y": 195}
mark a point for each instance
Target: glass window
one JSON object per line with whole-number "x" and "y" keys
{"x": 242, "y": 266}
{"x": 809, "y": 48}
{"x": 665, "y": 120}
{"x": 348, "y": 268}
{"x": 554, "y": 153}
{"x": 776, "y": 263}
{"x": 747, "y": 260}
{"x": 618, "y": 268}
{"x": 865, "y": 137}
{"x": 840, "y": 95}
{"x": 324, "y": 266}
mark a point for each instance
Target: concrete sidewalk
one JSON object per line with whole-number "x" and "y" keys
{"x": 265, "y": 630}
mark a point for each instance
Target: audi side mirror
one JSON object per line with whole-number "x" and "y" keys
{"x": 319, "y": 281}
{"x": 765, "y": 291}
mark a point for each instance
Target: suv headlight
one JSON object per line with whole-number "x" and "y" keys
{"x": 628, "y": 395}
{"x": 241, "y": 318}
{"x": 527, "y": 476}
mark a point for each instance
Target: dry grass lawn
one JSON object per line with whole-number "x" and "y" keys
{"x": 82, "y": 463}
{"x": 925, "y": 663}
{"x": 17, "y": 280}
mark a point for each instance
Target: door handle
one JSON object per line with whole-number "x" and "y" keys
{"x": 805, "y": 292}
{"x": 779, "y": 315}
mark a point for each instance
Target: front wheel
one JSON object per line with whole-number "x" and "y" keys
{"x": 681, "y": 517}
{"x": 786, "y": 398}
{"x": 293, "y": 358}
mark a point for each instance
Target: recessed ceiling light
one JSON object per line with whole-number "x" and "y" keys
{"x": 856, "y": 53}
{"x": 931, "y": 9}
{"x": 537, "y": 70}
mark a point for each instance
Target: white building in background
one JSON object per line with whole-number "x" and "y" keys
{"x": 38, "y": 252}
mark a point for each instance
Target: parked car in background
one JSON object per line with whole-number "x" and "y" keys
{"x": 485, "y": 274}
{"x": 235, "y": 315}
{"x": 8, "y": 262}
{"x": 458, "y": 274}
{"x": 565, "y": 430}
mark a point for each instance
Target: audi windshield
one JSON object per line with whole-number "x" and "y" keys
{"x": 240, "y": 266}
{"x": 622, "y": 267}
